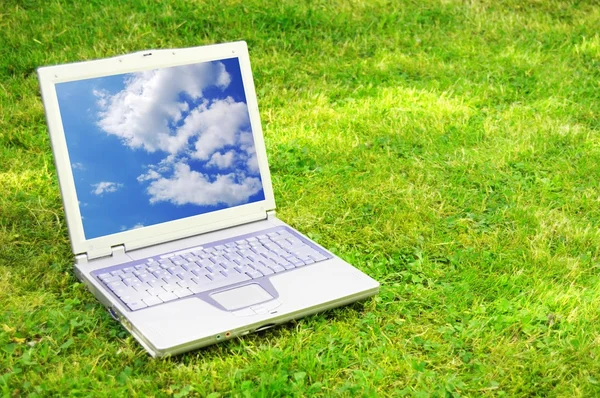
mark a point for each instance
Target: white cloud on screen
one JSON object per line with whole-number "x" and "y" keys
{"x": 78, "y": 166}
{"x": 217, "y": 126}
{"x": 143, "y": 113}
{"x": 222, "y": 160}
{"x": 165, "y": 111}
{"x": 105, "y": 187}
{"x": 186, "y": 186}
{"x": 150, "y": 175}
{"x": 247, "y": 145}
{"x": 126, "y": 228}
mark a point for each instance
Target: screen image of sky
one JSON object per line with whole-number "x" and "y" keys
{"x": 159, "y": 145}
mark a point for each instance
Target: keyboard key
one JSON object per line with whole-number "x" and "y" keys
{"x": 167, "y": 297}
{"x": 227, "y": 265}
{"x": 122, "y": 291}
{"x": 133, "y": 297}
{"x": 206, "y": 263}
{"x": 318, "y": 256}
{"x": 243, "y": 268}
{"x": 177, "y": 271}
{"x": 161, "y": 273}
{"x": 200, "y": 279}
{"x": 219, "y": 259}
{"x": 182, "y": 293}
{"x": 277, "y": 268}
{"x": 147, "y": 277}
{"x": 130, "y": 281}
{"x": 169, "y": 278}
{"x": 190, "y": 267}
{"x": 282, "y": 261}
{"x": 169, "y": 287}
{"x": 141, "y": 287}
{"x": 252, "y": 257}
{"x": 231, "y": 256}
{"x": 254, "y": 274}
{"x": 184, "y": 284}
{"x": 155, "y": 291}
{"x": 111, "y": 279}
{"x": 263, "y": 269}
{"x": 267, "y": 262}
{"x": 212, "y": 276}
{"x": 116, "y": 285}
{"x": 150, "y": 301}
{"x": 235, "y": 277}
{"x": 156, "y": 282}
{"x": 136, "y": 305}
{"x": 259, "y": 251}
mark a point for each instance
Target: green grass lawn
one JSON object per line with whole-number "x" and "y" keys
{"x": 450, "y": 149}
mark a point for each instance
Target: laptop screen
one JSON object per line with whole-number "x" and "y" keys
{"x": 159, "y": 145}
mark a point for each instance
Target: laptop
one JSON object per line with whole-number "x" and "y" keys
{"x": 169, "y": 203}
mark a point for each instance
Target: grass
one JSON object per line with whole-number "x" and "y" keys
{"x": 450, "y": 149}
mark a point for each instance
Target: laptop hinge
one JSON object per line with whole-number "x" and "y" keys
{"x": 81, "y": 259}
{"x": 270, "y": 213}
{"x": 112, "y": 251}
{"x": 118, "y": 250}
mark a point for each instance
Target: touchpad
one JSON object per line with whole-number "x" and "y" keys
{"x": 241, "y": 297}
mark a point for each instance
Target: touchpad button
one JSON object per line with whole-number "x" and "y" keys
{"x": 241, "y": 297}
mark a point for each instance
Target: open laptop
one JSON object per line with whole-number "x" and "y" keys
{"x": 169, "y": 204}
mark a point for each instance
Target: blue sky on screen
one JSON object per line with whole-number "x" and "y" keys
{"x": 160, "y": 145}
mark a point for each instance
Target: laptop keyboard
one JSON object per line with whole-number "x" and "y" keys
{"x": 159, "y": 279}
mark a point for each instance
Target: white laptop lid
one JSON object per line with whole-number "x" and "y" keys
{"x": 156, "y": 145}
